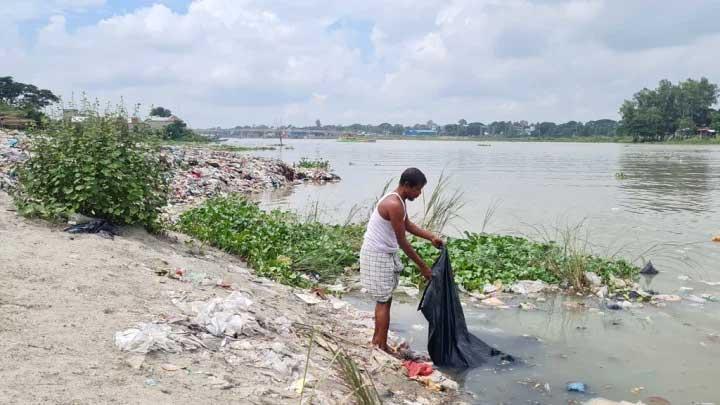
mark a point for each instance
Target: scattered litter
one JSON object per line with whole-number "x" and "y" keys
{"x": 489, "y": 289}
{"x": 649, "y": 269}
{"x": 146, "y": 338}
{"x": 170, "y": 367}
{"x": 151, "y": 382}
{"x": 301, "y": 383}
{"x": 416, "y": 369}
{"x": 525, "y": 287}
{"x": 708, "y": 297}
{"x": 493, "y": 302}
{"x": 637, "y": 390}
{"x": 308, "y": 299}
{"x": 613, "y": 305}
{"x": 592, "y": 278}
{"x": 695, "y": 299}
{"x": 227, "y": 316}
{"x": 577, "y": 387}
{"x": 438, "y": 382}
{"x": 667, "y": 297}
{"x": 409, "y": 291}
{"x": 603, "y": 401}
{"x": 527, "y": 306}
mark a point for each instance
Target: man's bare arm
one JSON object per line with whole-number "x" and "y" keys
{"x": 397, "y": 220}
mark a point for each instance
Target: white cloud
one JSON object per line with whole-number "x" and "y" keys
{"x": 229, "y": 62}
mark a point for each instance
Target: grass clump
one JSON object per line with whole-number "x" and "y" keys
{"x": 97, "y": 167}
{"x": 306, "y": 163}
{"x": 479, "y": 259}
{"x": 276, "y": 244}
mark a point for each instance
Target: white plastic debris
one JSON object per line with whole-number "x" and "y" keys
{"x": 525, "y": 287}
{"x": 308, "y": 299}
{"x": 147, "y": 337}
{"x": 667, "y": 297}
{"x": 592, "y": 278}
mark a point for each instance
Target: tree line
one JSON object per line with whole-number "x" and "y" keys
{"x": 670, "y": 111}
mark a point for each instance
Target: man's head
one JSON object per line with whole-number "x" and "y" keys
{"x": 412, "y": 182}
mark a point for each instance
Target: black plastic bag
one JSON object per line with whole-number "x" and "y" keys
{"x": 449, "y": 342}
{"x": 101, "y": 226}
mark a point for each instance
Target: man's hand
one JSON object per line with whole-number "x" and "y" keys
{"x": 437, "y": 242}
{"x": 426, "y": 272}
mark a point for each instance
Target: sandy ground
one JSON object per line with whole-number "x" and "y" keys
{"x": 63, "y": 297}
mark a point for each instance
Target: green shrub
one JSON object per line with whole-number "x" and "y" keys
{"x": 306, "y": 163}
{"x": 276, "y": 244}
{"x": 97, "y": 168}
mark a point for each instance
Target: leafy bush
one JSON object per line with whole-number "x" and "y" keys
{"x": 480, "y": 259}
{"x": 98, "y": 168}
{"x": 275, "y": 243}
{"x": 306, "y": 163}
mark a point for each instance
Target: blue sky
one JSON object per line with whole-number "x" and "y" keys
{"x": 230, "y": 62}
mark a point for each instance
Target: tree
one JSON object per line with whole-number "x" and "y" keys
{"x": 715, "y": 120}
{"x": 652, "y": 115}
{"x": 475, "y": 129}
{"x": 462, "y": 122}
{"x": 318, "y": 124}
{"x": 160, "y": 112}
{"x": 178, "y": 130}
{"x": 686, "y": 127}
{"x": 25, "y": 96}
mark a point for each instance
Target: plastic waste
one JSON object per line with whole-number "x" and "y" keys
{"x": 649, "y": 269}
{"x": 415, "y": 369}
{"x": 449, "y": 342}
{"x": 525, "y": 287}
{"x": 577, "y": 387}
{"x": 101, "y": 226}
{"x": 146, "y": 338}
{"x": 226, "y": 316}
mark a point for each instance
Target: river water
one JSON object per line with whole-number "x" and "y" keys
{"x": 640, "y": 202}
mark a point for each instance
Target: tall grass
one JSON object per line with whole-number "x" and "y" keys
{"x": 443, "y": 206}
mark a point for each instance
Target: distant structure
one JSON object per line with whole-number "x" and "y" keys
{"x": 156, "y": 122}
{"x": 420, "y": 132}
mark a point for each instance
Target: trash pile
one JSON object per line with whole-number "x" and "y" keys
{"x": 12, "y": 151}
{"x": 263, "y": 335}
{"x": 201, "y": 173}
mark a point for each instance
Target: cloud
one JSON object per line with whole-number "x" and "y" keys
{"x": 230, "y": 62}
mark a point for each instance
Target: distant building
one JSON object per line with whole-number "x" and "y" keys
{"x": 420, "y": 132}
{"x": 706, "y": 132}
{"x": 155, "y": 122}
{"x": 73, "y": 115}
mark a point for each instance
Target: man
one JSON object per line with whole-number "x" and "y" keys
{"x": 380, "y": 264}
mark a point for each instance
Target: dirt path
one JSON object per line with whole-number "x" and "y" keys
{"x": 63, "y": 297}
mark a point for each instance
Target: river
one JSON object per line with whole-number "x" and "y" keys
{"x": 640, "y": 202}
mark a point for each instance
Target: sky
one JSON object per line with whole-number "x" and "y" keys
{"x": 278, "y": 62}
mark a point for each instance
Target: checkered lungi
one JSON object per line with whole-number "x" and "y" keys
{"x": 379, "y": 273}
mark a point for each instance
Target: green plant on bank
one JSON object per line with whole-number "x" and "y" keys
{"x": 480, "y": 259}
{"x": 276, "y": 244}
{"x": 306, "y": 163}
{"x": 97, "y": 167}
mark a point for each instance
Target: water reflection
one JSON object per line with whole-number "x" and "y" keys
{"x": 665, "y": 180}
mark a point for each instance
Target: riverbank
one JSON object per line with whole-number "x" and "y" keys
{"x": 65, "y": 296}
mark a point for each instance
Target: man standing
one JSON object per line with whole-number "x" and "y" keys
{"x": 380, "y": 264}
